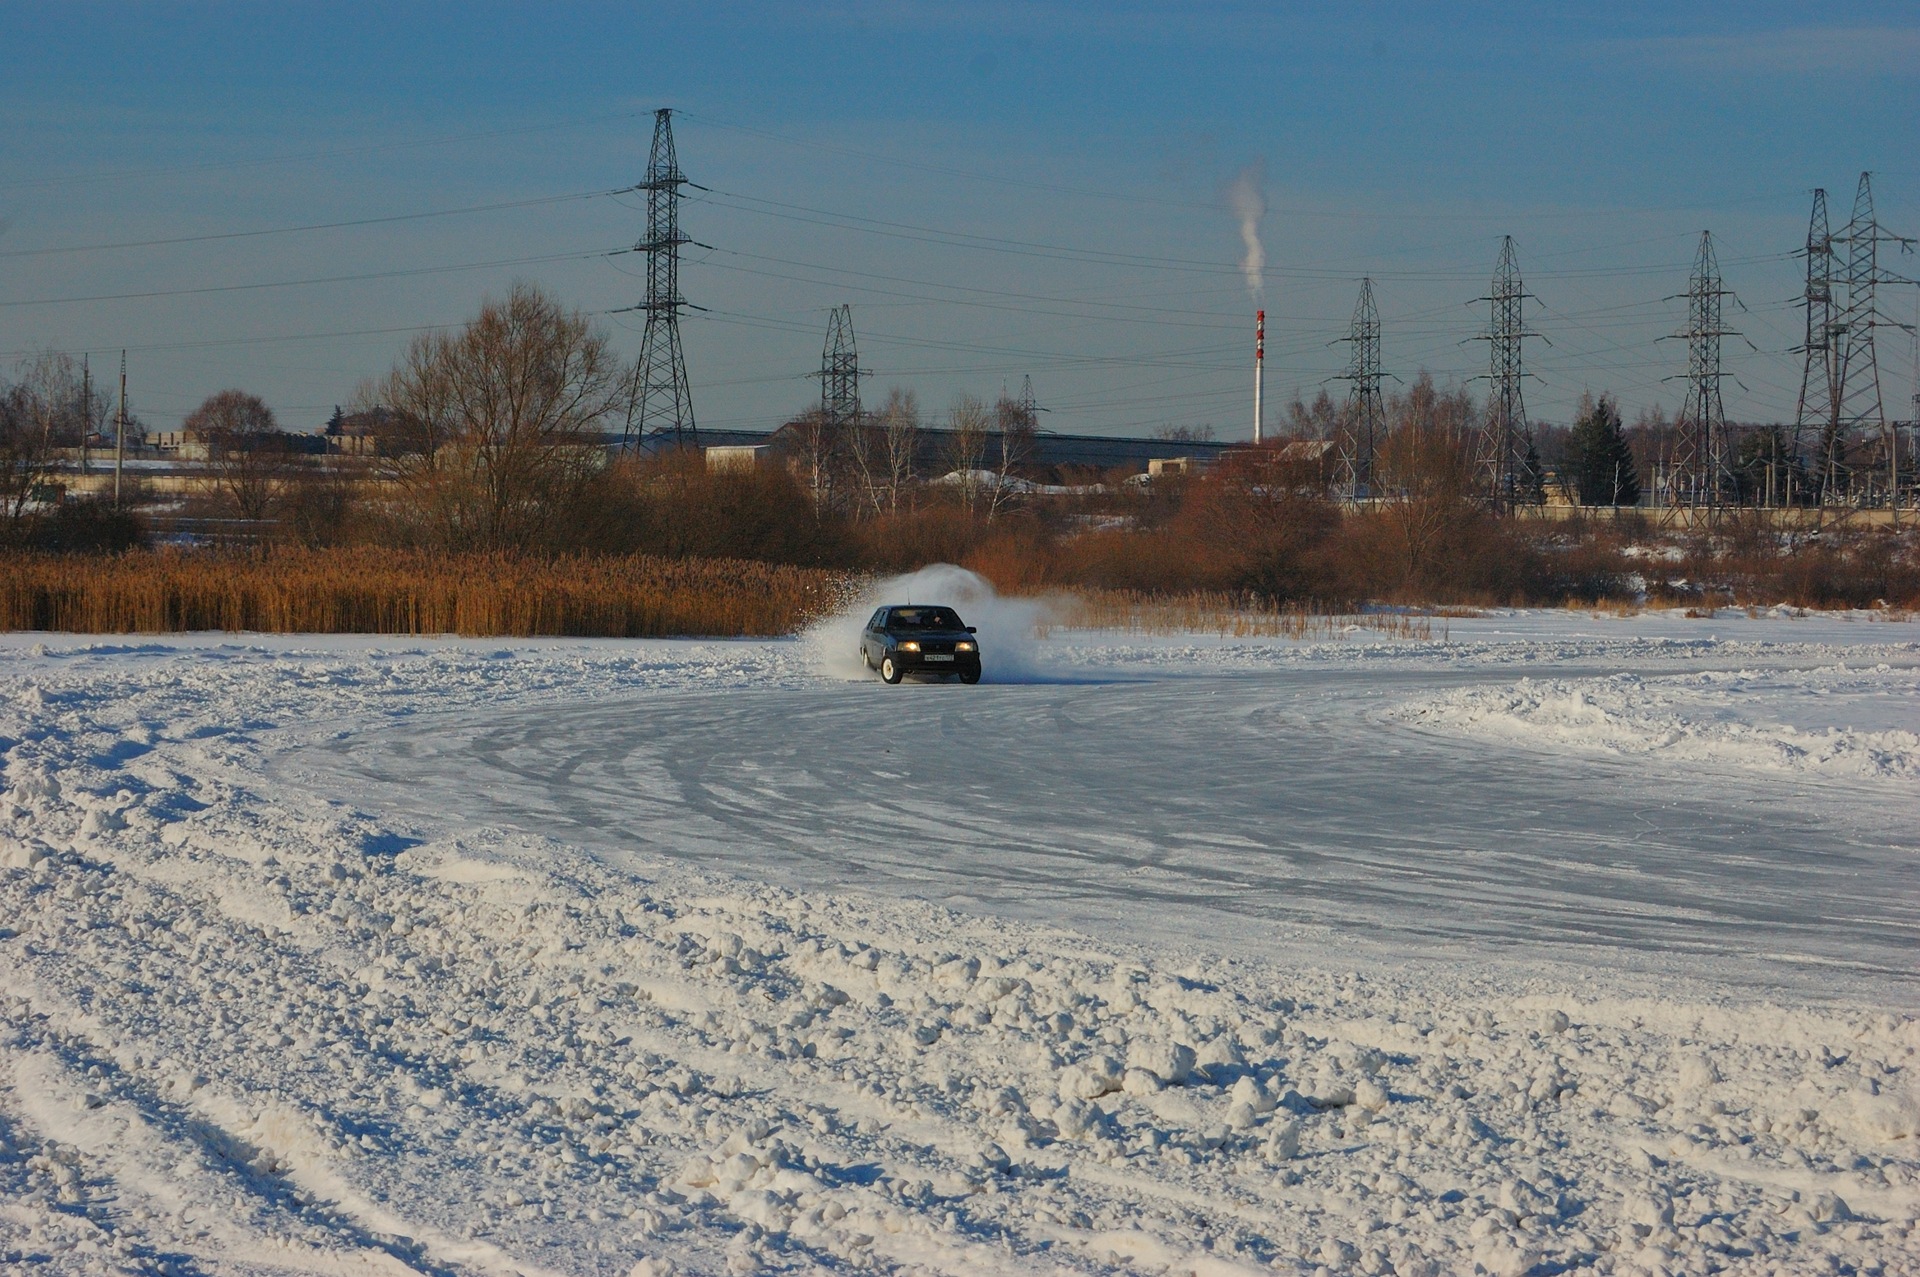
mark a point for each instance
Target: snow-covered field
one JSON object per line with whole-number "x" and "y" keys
{"x": 1562, "y": 944}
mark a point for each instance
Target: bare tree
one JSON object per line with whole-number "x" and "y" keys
{"x": 246, "y": 451}
{"x": 494, "y": 420}
{"x": 1319, "y": 420}
{"x": 821, "y": 445}
{"x": 968, "y": 426}
{"x": 1171, "y": 433}
{"x": 1426, "y": 472}
{"x": 41, "y": 411}
{"x": 1018, "y": 432}
{"x": 900, "y": 432}
{"x": 866, "y": 450}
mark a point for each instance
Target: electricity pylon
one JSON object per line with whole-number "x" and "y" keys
{"x": 1813, "y": 422}
{"x": 1364, "y": 421}
{"x": 840, "y": 371}
{"x": 662, "y": 397}
{"x": 1701, "y": 473}
{"x": 1506, "y": 440}
{"x": 1859, "y": 410}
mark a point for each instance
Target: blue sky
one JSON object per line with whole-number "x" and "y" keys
{"x": 1085, "y": 151}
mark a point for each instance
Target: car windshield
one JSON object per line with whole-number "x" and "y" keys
{"x": 924, "y": 618}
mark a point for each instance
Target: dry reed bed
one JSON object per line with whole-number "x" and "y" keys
{"x": 1228, "y": 615}
{"x": 371, "y": 591}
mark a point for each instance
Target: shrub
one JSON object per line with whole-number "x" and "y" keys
{"x": 367, "y": 591}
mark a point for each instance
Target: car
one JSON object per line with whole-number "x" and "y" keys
{"x": 919, "y": 638}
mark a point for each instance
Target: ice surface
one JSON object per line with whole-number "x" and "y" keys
{"x": 377, "y": 955}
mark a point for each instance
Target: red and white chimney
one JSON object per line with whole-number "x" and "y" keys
{"x": 1259, "y": 372}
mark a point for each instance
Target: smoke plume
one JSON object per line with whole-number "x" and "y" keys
{"x": 1247, "y": 197}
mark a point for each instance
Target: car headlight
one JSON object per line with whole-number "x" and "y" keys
{"x": 965, "y": 647}
{"x": 909, "y": 646}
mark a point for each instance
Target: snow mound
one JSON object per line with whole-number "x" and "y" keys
{"x": 1835, "y": 721}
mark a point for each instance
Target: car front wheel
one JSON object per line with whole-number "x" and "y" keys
{"x": 969, "y": 677}
{"x": 890, "y": 671}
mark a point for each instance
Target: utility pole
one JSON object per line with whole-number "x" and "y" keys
{"x": 1365, "y": 418}
{"x": 120, "y": 433}
{"x": 840, "y": 373}
{"x": 1702, "y": 473}
{"x": 86, "y": 411}
{"x": 662, "y": 397}
{"x": 1506, "y": 438}
{"x": 1858, "y": 409}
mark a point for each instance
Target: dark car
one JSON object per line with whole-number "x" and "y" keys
{"x": 920, "y": 639}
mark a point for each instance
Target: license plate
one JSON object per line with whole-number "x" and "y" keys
{"x": 938, "y": 656}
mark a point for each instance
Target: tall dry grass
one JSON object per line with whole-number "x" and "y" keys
{"x": 1228, "y": 615}
{"x": 376, "y": 591}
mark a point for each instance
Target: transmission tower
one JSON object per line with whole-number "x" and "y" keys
{"x": 1859, "y": 411}
{"x": 1506, "y": 440}
{"x": 662, "y": 399}
{"x": 1913, "y": 420}
{"x": 1819, "y": 377}
{"x": 1026, "y": 405}
{"x": 1701, "y": 473}
{"x": 840, "y": 371}
{"x": 1365, "y": 418}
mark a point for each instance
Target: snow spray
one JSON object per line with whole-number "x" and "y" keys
{"x": 1009, "y": 642}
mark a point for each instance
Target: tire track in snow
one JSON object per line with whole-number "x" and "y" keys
{"x": 1284, "y": 804}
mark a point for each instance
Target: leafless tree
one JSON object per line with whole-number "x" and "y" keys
{"x": 42, "y": 410}
{"x": 866, "y": 452}
{"x": 1320, "y": 419}
{"x": 820, "y": 446}
{"x": 1426, "y": 470}
{"x": 248, "y": 454}
{"x": 900, "y": 432}
{"x": 494, "y": 421}
{"x": 1017, "y": 430}
{"x": 968, "y": 428}
{"x": 1171, "y": 433}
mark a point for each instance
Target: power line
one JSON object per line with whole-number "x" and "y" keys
{"x": 295, "y": 157}
{"x": 1342, "y": 214}
{"x": 1064, "y": 252}
{"x": 308, "y": 227}
{"x": 303, "y": 283}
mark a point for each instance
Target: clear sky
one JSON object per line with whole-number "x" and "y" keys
{"x": 1043, "y": 188}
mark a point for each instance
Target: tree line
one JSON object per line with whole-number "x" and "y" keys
{"x": 489, "y": 439}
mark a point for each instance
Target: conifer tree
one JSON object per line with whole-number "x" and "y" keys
{"x": 1530, "y": 485}
{"x": 1602, "y": 464}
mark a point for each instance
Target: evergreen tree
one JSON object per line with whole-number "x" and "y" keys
{"x": 1601, "y": 463}
{"x": 1530, "y": 485}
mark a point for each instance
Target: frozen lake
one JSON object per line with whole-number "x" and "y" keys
{"x": 1250, "y": 809}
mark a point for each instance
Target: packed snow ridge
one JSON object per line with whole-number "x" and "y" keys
{"x": 246, "y": 1028}
{"x": 1706, "y": 718}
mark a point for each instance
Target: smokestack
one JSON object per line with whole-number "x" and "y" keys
{"x": 1259, "y": 372}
